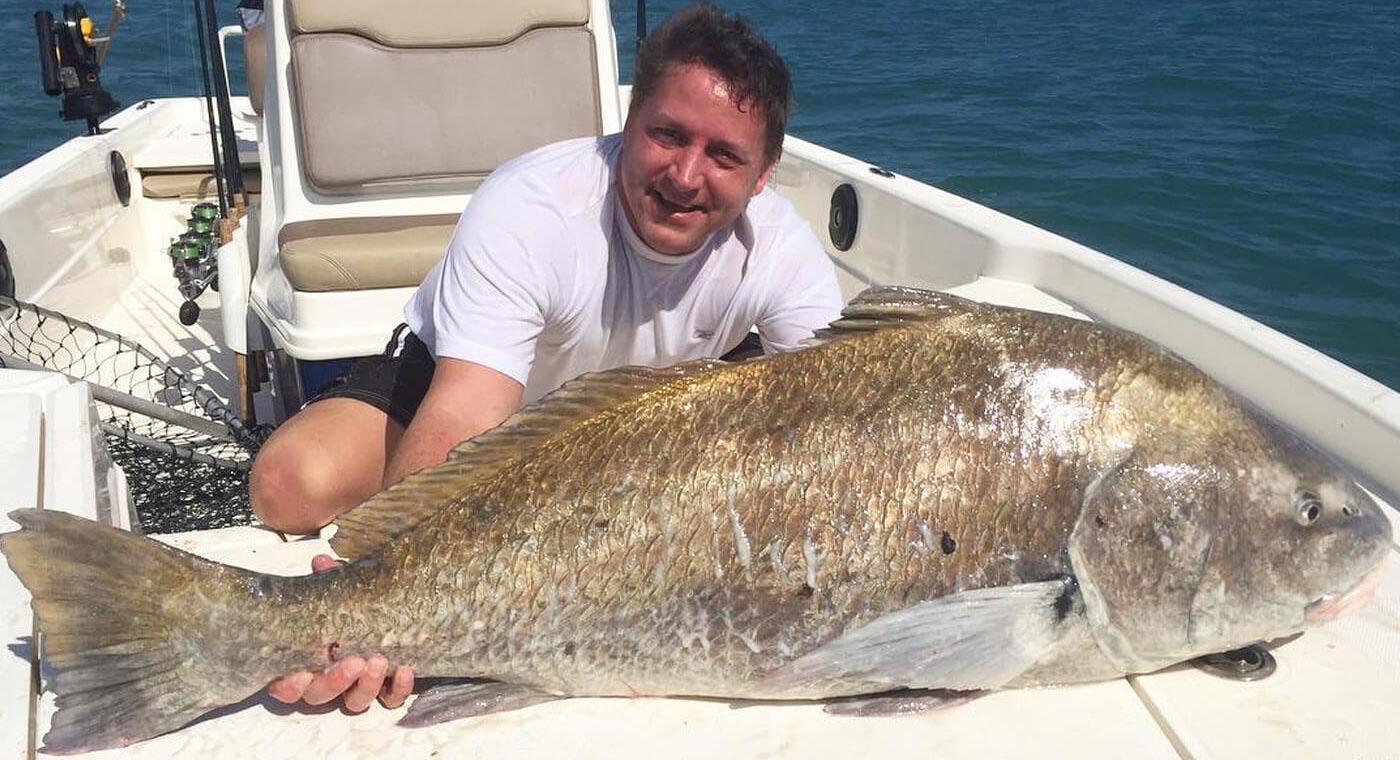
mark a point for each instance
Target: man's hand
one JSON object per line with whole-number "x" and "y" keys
{"x": 360, "y": 680}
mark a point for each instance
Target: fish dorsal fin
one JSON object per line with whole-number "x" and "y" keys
{"x": 574, "y": 401}
{"x": 885, "y": 307}
{"x": 397, "y": 508}
{"x": 403, "y": 505}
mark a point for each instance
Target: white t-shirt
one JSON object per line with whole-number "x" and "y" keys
{"x": 545, "y": 280}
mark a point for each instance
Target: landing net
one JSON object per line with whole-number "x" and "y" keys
{"x": 140, "y": 399}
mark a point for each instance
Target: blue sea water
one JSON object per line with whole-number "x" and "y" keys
{"x": 1249, "y": 151}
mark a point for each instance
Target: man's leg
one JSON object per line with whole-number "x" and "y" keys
{"x": 321, "y": 462}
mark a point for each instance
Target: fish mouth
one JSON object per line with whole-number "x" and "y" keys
{"x": 1333, "y": 605}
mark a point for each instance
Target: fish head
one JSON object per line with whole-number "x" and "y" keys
{"x": 1313, "y": 543}
{"x": 1204, "y": 544}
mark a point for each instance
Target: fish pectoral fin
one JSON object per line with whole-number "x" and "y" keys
{"x": 454, "y": 701}
{"x": 901, "y": 702}
{"x": 971, "y": 640}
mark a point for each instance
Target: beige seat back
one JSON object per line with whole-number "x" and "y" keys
{"x": 433, "y": 95}
{"x": 255, "y": 57}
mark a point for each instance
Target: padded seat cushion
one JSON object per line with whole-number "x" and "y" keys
{"x": 364, "y": 253}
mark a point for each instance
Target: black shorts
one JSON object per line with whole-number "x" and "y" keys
{"x": 394, "y": 382}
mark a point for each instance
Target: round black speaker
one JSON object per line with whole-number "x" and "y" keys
{"x": 121, "y": 182}
{"x": 845, "y": 213}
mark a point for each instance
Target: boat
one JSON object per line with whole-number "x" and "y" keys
{"x": 325, "y": 242}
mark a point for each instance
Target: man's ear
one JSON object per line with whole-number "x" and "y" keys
{"x": 763, "y": 177}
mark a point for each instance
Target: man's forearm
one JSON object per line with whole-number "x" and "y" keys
{"x": 463, "y": 401}
{"x": 424, "y": 444}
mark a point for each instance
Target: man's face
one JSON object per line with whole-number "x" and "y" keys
{"x": 690, "y": 161}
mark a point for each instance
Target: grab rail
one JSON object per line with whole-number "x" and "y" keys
{"x": 225, "y": 32}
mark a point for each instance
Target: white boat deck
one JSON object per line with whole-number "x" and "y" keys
{"x": 1332, "y": 696}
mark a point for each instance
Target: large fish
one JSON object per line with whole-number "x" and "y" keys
{"x": 936, "y": 494}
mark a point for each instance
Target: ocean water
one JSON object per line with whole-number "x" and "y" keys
{"x": 1248, "y": 151}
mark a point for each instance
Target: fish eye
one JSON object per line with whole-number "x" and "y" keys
{"x": 1307, "y": 507}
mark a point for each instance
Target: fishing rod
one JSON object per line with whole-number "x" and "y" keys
{"x": 217, "y": 154}
{"x": 194, "y": 254}
{"x": 237, "y": 195}
{"x": 641, "y": 23}
{"x": 118, "y": 16}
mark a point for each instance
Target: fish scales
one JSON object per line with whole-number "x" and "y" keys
{"x": 791, "y": 527}
{"x": 600, "y": 540}
{"x": 577, "y": 533}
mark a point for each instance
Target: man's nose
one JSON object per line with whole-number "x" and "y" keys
{"x": 687, "y": 170}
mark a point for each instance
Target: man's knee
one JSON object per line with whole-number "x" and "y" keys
{"x": 323, "y": 461}
{"x": 294, "y": 488}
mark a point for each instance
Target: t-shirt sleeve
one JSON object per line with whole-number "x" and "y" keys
{"x": 486, "y": 302}
{"x": 803, "y": 295}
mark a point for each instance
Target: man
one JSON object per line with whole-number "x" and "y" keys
{"x": 651, "y": 247}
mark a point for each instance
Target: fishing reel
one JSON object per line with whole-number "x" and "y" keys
{"x": 69, "y": 61}
{"x": 193, "y": 255}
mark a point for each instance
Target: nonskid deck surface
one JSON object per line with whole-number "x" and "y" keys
{"x": 147, "y": 312}
{"x": 117, "y": 274}
{"x": 136, "y": 296}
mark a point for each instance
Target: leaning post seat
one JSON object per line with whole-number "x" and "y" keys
{"x": 381, "y": 121}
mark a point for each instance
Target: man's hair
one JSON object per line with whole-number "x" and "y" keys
{"x": 729, "y": 46}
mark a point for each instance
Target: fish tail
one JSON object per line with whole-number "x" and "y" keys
{"x": 125, "y": 632}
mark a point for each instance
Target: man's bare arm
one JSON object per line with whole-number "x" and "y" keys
{"x": 464, "y": 400}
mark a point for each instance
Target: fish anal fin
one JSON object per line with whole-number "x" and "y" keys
{"x": 455, "y": 701}
{"x": 978, "y": 639}
{"x": 901, "y": 702}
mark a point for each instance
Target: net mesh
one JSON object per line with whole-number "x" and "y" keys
{"x": 140, "y": 398}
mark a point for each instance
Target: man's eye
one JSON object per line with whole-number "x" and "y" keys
{"x": 668, "y": 136}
